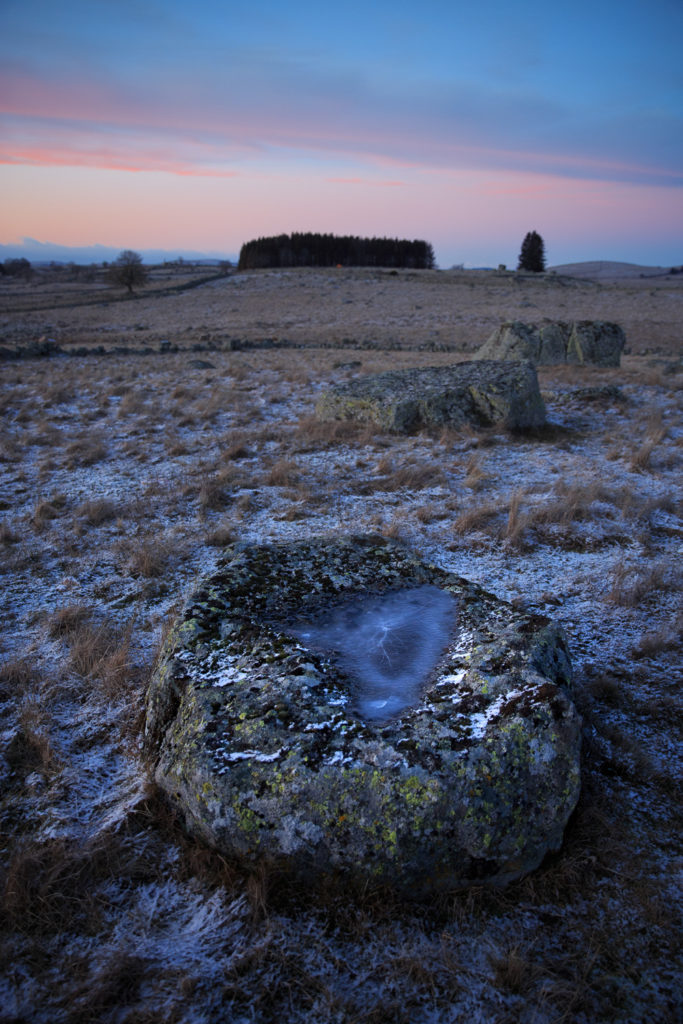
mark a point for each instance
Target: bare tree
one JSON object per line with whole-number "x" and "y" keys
{"x": 127, "y": 270}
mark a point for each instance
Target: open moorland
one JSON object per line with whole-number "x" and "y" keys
{"x": 179, "y": 420}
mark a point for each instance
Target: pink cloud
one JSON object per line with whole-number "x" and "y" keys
{"x": 470, "y": 216}
{"x": 110, "y": 161}
{"x": 260, "y": 121}
{"x": 366, "y": 181}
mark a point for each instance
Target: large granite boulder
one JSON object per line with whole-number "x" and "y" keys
{"x": 337, "y": 707}
{"x": 481, "y": 392}
{"x": 595, "y": 342}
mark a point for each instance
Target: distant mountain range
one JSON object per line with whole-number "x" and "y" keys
{"x": 50, "y": 252}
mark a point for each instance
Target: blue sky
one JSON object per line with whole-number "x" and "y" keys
{"x": 165, "y": 125}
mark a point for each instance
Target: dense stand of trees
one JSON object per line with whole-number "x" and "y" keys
{"x": 16, "y": 268}
{"x": 316, "y": 250}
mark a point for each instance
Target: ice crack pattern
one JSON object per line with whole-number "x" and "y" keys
{"x": 387, "y": 644}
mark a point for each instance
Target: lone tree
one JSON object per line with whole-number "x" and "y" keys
{"x": 532, "y": 256}
{"x": 127, "y": 270}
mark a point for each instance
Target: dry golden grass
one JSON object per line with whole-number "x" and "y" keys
{"x": 430, "y": 513}
{"x": 475, "y": 476}
{"x": 47, "y": 436}
{"x": 17, "y": 675}
{"x": 666, "y": 638}
{"x": 85, "y": 451}
{"x": 390, "y": 475}
{"x": 8, "y": 534}
{"x": 556, "y": 518}
{"x": 67, "y": 620}
{"x": 413, "y": 477}
{"x": 394, "y": 529}
{"x": 177, "y": 445}
{"x": 96, "y": 511}
{"x": 30, "y": 749}
{"x": 47, "y": 510}
{"x": 100, "y": 651}
{"x": 237, "y": 445}
{"x": 607, "y": 688}
{"x": 338, "y": 308}
{"x": 516, "y": 525}
{"x": 149, "y": 556}
{"x": 48, "y": 887}
{"x": 313, "y": 434}
{"x": 641, "y": 458}
{"x": 220, "y": 400}
{"x": 633, "y": 585}
{"x": 133, "y": 403}
{"x": 515, "y": 970}
{"x": 283, "y": 473}
{"x": 221, "y": 536}
{"x": 10, "y": 450}
{"x": 475, "y": 518}
{"x": 578, "y": 939}
{"x": 215, "y": 492}
{"x": 245, "y": 504}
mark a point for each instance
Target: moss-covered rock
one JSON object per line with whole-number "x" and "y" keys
{"x": 594, "y": 342}
{"x": 259, "y": 742}
{"x": 480, "y": 392}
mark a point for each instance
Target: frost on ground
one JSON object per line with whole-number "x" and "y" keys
{"x": 121, "y": 479}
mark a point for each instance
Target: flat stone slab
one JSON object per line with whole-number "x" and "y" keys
{"x": 482, "y": 393}
{"x": 337, "y": 707}
{"x": 595, "y": 342}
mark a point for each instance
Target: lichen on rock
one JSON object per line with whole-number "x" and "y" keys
{"x": 553, "y": 342}
{"x": 481, "y": 392}
{"x": 259, "y": 740}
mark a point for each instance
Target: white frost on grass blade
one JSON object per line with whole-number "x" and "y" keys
{"x": 208, "y": 953}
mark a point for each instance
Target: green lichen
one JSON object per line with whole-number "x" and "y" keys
{"x": 247, "y": 719}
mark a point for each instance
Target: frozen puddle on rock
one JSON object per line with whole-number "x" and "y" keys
{"x": 388, "y": 644}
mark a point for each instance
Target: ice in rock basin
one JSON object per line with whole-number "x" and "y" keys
{"x": 388, "y": 644}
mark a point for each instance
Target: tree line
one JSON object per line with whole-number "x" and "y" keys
{"x": 317, "y": 250}
{"x": 302, "y": 250}
{"x": 16, "y": 268}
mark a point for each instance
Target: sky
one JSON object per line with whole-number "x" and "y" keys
{"x": 194, "y": 127}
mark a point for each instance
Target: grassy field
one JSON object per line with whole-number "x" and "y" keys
{"x": 123, "y": 475}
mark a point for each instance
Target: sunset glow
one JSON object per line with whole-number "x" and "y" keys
{"x": 197, "y": 129}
